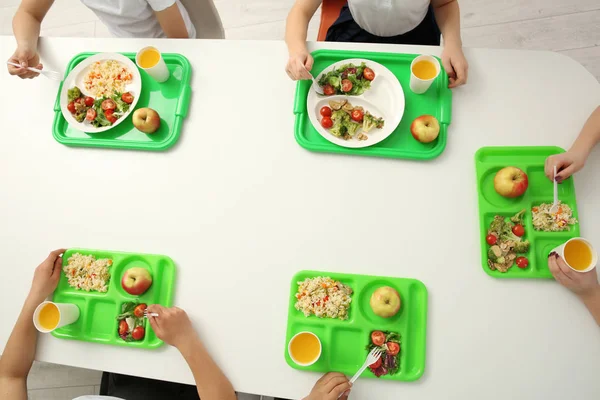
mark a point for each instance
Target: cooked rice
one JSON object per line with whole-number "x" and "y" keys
{"x": 104, "y": 78}
{"x": 323, "y": 297}
{"x": 544, "y": 220}
{"x": 87, "y": 273}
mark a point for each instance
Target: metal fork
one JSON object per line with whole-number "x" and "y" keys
{"x": 147, "y": 314}
{"x": 372, "y": 357}
{"x": 55, "y": 76}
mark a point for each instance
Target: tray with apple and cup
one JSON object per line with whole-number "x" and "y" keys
{"x": 377, "y": 303}
{"x": 415, "y": 126}
{"x": 154, "y": 119}
{"x": 110, "y": 308}
{"x": 511, "y": 182}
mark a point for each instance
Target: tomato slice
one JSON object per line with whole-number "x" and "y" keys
{"x": 138, "y": 311}
{"x": 109, "y": 114}
{"x": 326, "y": 122}
{"x": 393, "y": 348}
{"x": 346, "y": 85}
{"x": 491, "y": 239}
{"x": 357, "y": 115}
{"x": 123, "y": 328}
{"x": 376, "y": 364}
{"x": 138, "y": 333}
{"x": 368, "y": 74}
{"x": 90, "y": 115}
{"x": 378, "y": 338}
{"x": 328, "y": 90}
{"x": 325, "y": 111}
{"x": 522, "y": 262}
{"x": 108, "y": 104}
{"x": 127, "y": 97}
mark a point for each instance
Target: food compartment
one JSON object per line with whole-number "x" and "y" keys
{"x": 488, "y": 192}
{"x": 572, "y": 231}
{"x": 543, "y": 248}
{"x": 346, "y": 349}
{"x": 100, "y": 316}
{"x": 388, "y": 294}
{"x": 74, "y": 329}
{"x": 541, "y": 186}
{"x": 161, "y": 288}
{"x": 136, "y": 280}
{"x": 323, "y": 333}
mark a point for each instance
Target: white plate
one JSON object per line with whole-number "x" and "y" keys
{"x": 385, "y": 99}
{"x": 76, "y": 77}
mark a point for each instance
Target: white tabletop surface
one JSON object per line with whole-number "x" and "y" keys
{"x": 241, "y": 207}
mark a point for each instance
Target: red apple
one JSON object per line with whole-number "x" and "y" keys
{"x": 146, "y": 120}
{"x": 511, "y": 182}
{"x": 136, "y": 281}
{"x": 385, "y": 302}
{"x": 425, "y": 128}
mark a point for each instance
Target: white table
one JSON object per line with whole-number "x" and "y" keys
{"x": 241, "y": 207}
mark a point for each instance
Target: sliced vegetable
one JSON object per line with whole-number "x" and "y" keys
{"x": 378, "y": 338}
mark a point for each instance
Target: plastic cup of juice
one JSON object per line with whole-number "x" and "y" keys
{"x": 150, "y": 60}
{"x": 305, "y": 348}
{"x": 49, "y": 316}
{"x": 578, "y": 254}
{"x": 423, "y": 71}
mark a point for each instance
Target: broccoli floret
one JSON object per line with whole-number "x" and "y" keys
{"x": 79, "y": 117}
{"x": 338, "y": 129}
{"x": 518, "y": 218}
{"x": 352, "y": 127}
{"x": 521, "y": 247}
{"x": 509, "y": 236}
{"x": 370, "y": 122}
{"x": 340, "y": 115}
{"x": 73, "y": 94}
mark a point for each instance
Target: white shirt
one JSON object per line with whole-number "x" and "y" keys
{"x": 388, "y": 17}
{"x": 135, "y": 18}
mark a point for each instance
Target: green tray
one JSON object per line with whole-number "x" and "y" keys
{"x": 344, "y": 342}
{"x": 170, "y": 99}
{"x": 97, "y": 321}
{"x": 437, "y": 101}
{"x": 488, "y": 160}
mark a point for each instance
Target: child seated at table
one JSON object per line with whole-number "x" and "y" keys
{"x": 172, "y": 326}
{"x": 573, "y": 160}
{"x": 416, "y": 22}
{"x": 124, "y": 18}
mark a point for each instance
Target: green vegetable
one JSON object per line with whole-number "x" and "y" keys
{"x": 73, "y": 94}
{"x": 495, "y": 254}
{"x": 334, "y": 78}
{"x": 352, "y": 127}
{"x": 79, "y": 117}
{"x": 522, "y": 246}
{"x": 370, "y": 122}
{"x": 100, "y": 119}
{"x": 338, "y": 129}
{"x": 334, "y": 81}
{"x": 518, "y": 218}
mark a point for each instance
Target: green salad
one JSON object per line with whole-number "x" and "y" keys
{"x": 103, "y": 111}
{"x": 347, "y": 79}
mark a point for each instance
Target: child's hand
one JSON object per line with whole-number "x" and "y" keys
{"x": 330, "y": 387}
{"x": 173, "y": 326}
{"x": 566, "y": 165}
{"x": 580, "y": 283}
{"x": 46, "y": 276}
{"x": 298, "y": 65}
{"x": 455, "y": 64}
{"x": 25, "y": 58}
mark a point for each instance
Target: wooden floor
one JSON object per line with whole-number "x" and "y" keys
{"x": 570, "y": 27}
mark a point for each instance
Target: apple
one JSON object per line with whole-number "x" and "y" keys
{"x": 385, "y": 302}
{"x": 425, "y": 128}
{"x": 146, "y": 120}
{"x": 136, "y": 280}
{"x": 511, "y": 182}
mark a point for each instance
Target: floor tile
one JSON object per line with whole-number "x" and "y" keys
{"x": 46, "y": 375}
{"x": 67, "y": 393}
{"x": 589, "y": 57}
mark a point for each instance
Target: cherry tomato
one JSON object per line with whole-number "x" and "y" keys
{"x": 522, "y": 262}
{"x": 89, "y": 101}
{"x": 325, "y": 111}
{"x": 393, "y": 348}
{"x": 123, "y": 328}
{"x": 71, "y": 107}
{"x": 518, "y": 230}
{"x": 491, "y": 239}
{"x": 108, "y": 104}
{"x": 90, "y": 115}
{"x": 368, "y": 74}
{"x": 138, "y": 311}
{"x": 376, "y": 364}
{"x": 357, "y": 115}
{"x": 328, "y": 90}
{"x": 346, "y": 85}
{"x": 326, "y": 122}
{"x": 138, "y": 333}
{"x": 377, "y": 337}
{"x": 109, "y": 114}
{"x": 127, "y": 97}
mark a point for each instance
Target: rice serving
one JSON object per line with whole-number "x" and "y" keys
{"x": 87, "y": 273}
{"x": 544, "y": 220}
{"x": 104, "y": 78}
{"x": 323, "y": 297}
